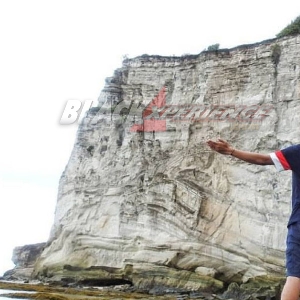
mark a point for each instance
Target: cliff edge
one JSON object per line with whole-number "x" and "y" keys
{"x": 144, "y": 201}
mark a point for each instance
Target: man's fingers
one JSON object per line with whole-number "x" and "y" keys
{"x": 219, "y": 145}
{"x": 211, "y": 144}
{"x": 220, "y": 140}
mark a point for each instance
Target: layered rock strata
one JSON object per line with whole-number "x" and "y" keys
{"x": 145, "y": 201}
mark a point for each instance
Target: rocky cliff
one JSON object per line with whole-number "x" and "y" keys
{"x": 143, "y": 199}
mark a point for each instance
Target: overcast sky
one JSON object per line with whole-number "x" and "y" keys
{"x": 54, "y": 51}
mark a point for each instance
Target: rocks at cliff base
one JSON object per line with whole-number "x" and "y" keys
{"x": 24, "y": 258}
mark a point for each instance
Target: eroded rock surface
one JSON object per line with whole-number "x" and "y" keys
{"x": 158, "y": 207}
{"x": 24, "y": 258}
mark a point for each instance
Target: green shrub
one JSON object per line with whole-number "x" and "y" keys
{"x": 213, "y": 47}
{"x": 276, "y": 52}
{"x": 291, "y": 29}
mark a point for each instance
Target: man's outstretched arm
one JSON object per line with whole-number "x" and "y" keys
{"x": 223, "y": 147}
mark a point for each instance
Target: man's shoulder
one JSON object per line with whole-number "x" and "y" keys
{"x": 292, "y": 148}
{"x": 292, "y": 155}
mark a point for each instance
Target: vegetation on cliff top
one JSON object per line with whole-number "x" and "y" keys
{"x": 291, "y": 29}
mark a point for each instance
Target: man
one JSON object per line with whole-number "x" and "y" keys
{"x": 286, "y": 159}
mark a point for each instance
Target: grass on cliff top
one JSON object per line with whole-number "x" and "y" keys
{"x": 291, "y": 29}
{"x": 47, "y": 292}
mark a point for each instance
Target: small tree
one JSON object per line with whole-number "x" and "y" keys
{"x": 291, "y": 29}
{"x": 213, "y": 47}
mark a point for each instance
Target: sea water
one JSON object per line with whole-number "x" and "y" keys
{"x": 5, "y": 298}
{"x": 12, "y": 291}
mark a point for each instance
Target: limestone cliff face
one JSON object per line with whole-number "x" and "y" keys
{"x": 157, "y": 207}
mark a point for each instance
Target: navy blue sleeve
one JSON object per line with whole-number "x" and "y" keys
{"x": 292, "y": 156}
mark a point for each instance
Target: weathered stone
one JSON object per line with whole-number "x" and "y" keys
{"x": 162, "y": 199}
{"x": 262, "y": 287}
{"x": 206, "y": 271}
{"x": 24, "y": 258}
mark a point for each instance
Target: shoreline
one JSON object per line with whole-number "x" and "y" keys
{"x": 57, "y": 292}
{"x": 61, "y": 291}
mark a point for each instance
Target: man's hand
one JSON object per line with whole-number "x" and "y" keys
{"x": 223, "y": 147}
{"x": 220, "y": 146}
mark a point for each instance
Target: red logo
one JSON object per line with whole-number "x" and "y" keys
{"x": 152, "y": 124}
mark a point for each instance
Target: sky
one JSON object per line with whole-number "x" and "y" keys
{"x": 55, "y": 51}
